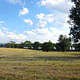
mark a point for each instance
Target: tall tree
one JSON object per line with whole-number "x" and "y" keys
{"x": 63, "y": 44}
{"x": 75, "y": 20}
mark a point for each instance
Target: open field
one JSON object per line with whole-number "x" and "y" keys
{"x": 23, "y": 64}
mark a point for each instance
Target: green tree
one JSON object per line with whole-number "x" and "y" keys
{"x": 8, "y": 45}
{"x": 64, "y": 43}
{"x": 28, "y": 44}
{"x": 11, "y": 44}
{"x": 21, "y": 45}
{"x": 36, "y": 45}
{"x": 75, "y": 20}
{"x": 47, "y": 46}
{"x": 76, "y": 46}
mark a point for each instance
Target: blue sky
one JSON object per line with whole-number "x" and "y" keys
{"x": 34, "y": 20}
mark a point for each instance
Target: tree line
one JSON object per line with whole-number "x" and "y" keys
{"x": 63, "y": 44}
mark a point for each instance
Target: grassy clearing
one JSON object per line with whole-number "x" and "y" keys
{"x": 23, "y": 64}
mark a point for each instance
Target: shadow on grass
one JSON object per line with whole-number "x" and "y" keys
{"x": 43, "y": 58}
{"x": 56, "y": 58}
{"x": 77, "y": 54}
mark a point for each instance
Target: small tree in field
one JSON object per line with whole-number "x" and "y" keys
{"x": 28, "y": 44}
{"x": 63, "y": 44}
{"x": 36, "y": 45}
{"x": 47, "y": 46}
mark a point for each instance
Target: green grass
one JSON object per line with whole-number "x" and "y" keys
{"x": 24, "y": 64}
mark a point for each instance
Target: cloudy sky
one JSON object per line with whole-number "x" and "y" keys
{"x": 34, "y": 20}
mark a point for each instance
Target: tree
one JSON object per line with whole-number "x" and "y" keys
{"x": 36, "y": 45}
{"x": 75, "y": 20}
{"x": 21, "y": 45}
{"x": 1, "y": 45}
{"x": 11, "y": 44}
{"x": 28, "y": 44}
{"x": 47, "y": 46}
{"x": 8, "y": 45}
{"x": 76, "y": 47}
{"x": 63, "y": 44}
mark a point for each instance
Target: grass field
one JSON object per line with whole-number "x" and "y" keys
{"x": 23, "y": 64}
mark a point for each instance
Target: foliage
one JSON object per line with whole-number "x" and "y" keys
{"x": 77, "y": 46}
{"x": 63, "y": 44}
{"x": 28, "y": 44}
{"x": 75, "y": 20}
{"x": 11, "y": 44}
{"x": 47, "y": 46}
{"x": 36, "y": 45}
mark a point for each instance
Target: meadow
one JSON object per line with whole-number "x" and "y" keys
{"x": 25, "y": 64}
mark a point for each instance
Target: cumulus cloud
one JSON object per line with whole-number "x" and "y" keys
{"x": 61, "y": 20}
{"x": 29, "y": 32}
{"x": 24, "y": 11}
{"x": 16, "y": 37}
{"x": 61, "y": 11}
{"x": 28, "y": 21}
{"x": 11, "y": 36}
{"x": 58, "y": 5}
{"x": 44, "y": 19}
{"x": 45, "y": 34}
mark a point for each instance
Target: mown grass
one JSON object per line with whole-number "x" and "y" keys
{"x": 23, "y": 64}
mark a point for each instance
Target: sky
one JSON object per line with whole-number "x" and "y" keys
{"x": 34, "y": 20}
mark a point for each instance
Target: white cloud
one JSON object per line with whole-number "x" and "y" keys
{"x": 16, "y": 37}
{"x": 19, "y": 2}
{"x": 39, "y": 34}
{"x": 24, "y": 11}
{"x": 44, "y": 19}
{"x": 40, "y": 16}
{"x": 45, "y": 34}
{"x": 2, "y": 22}
{"x": 29, "y": 32}
{"x": 28, "y": 21}
{"x": 66, "y": 24}
{"x": 15, "y": 1}
{"x": 41, "y": 31}
{"x": 1, "y": 34}
{"x": 57, "y": 5}
{"x": 11, "y": 37}
{"x": 5, "y": 28}
{"x": 61, "y": 11}
{"x": 51, "y": 2}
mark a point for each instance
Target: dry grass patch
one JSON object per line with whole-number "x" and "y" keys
{"x": 23, "y": 64}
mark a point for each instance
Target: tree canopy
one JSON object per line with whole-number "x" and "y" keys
{"x": 36, "y": 45}
{"x": 28, "y": 44}
{"x": 63, "y": 44}
{"x": 75, "y": 20}
{"x": 47, "y": 46}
